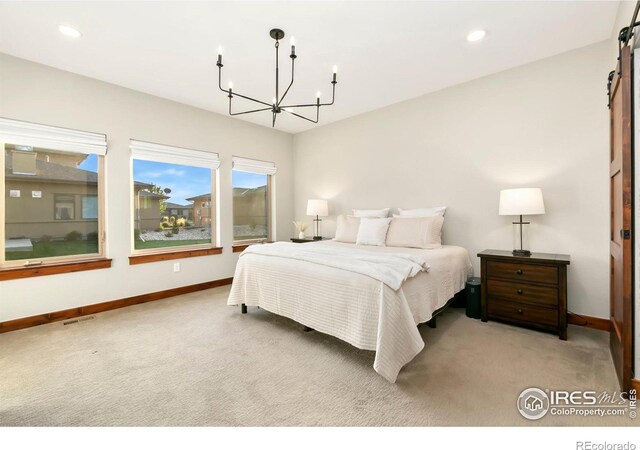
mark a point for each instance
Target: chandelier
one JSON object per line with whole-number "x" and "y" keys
{"x": 276, "y": 107}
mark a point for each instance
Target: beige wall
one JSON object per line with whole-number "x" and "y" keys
{"x": 543, "y": 125}
{"x": 41, "y": 94}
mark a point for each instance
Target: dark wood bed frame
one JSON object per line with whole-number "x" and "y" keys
{"x": 430, "y": 323}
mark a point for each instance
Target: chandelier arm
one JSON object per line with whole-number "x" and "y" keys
{"x": 293, "y": 61}
{"x": 252, "y": 111}
{"x": 273, "y": 123}
{"x": 333, "y": 99}
{"x": 305, "y": 118}
{"x": 235, "y": 93}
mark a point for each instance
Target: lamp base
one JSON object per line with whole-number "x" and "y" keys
{"x": 521, "y": 253}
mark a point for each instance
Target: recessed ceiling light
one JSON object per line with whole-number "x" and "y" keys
{"x": 68, "y": 31}
{"x": 476, "y": 35}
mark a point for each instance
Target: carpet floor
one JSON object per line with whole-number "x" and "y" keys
{"x": 193, "y": 360}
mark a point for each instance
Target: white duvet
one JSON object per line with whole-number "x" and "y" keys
{"x": 344, "y": 299}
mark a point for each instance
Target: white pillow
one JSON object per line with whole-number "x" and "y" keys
{"x": 371, "y": 212}
{"x": 347, "y": 229}
{"x": 423, "y": 212}
{"x": 415, "y": 232}
{"x": 373, "y": 231}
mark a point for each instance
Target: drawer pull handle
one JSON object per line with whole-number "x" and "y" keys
{"x": 519, "y": 272}
{"x": 519, "y": 311}
{"x": 520, "y": 292}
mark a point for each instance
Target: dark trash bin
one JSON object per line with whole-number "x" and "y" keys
{"x": 473, "y": 297}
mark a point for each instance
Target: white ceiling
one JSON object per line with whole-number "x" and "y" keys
{"x": 386, "y": 51}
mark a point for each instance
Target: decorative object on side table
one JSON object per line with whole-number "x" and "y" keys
{"x": 317, "y": 208}
{"x": 521, "y": 202}
{"x": 301, "y": 227}
{"x": 525, "y": 290}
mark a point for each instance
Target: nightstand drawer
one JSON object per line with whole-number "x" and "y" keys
{"x": 502, "y": 309}
{"x": 522, "y": 292}
{"x": 522, "y": 272}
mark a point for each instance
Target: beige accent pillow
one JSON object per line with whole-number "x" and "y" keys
{"x": 415, "y": 232}
{"x": 381, "y": 213}
{"x": 347, "y": 229}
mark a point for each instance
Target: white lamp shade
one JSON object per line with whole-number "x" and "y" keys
{"x": 317, "y": 208}
{"x": 524, "y": 201}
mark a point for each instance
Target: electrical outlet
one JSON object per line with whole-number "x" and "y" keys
{"x": 176, "y": 267}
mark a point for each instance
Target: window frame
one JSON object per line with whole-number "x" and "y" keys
{"x": 140, "y": 256}
{"x": 60, "y": 264}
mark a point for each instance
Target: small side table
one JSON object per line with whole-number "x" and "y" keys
{"x": 530, "y": 291}
{"x": 305, "y": 240}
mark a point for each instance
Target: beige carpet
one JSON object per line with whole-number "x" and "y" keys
{"x": 192, "y": 360}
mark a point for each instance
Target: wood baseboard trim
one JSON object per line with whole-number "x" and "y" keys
{"x": 596, "y": 323}
{"x": 41, "y": 319}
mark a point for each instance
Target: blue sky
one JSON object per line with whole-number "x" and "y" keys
{"x": 184, "y": 181}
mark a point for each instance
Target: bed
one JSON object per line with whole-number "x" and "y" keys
{"x": 343, "y": 295}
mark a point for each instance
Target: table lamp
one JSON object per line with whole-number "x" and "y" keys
{"x": 317, "y": 208}
{"x": 521, "y": 202}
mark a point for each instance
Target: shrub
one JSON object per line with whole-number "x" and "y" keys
{"x": 73, "y": 236}
{"x": 45, "y": 238}
{"x": 168, "y": 234}
{"x": 93, "y": 236}
{"x": 181, "y": 222}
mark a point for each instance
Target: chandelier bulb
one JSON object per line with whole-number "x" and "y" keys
{"x": 318, "y": 94}
{"x": 335, "y": 69}
{"x": 230, "y": 85}
{"x": 274, "y": 100}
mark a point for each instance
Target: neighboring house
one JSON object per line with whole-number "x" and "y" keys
{"x": 49, "y": 196}
{"x": 176, "y": 210}
{"x": 250, "y": 206}
{"x": 201, "y": 209}
{"x": 147, "y": 207}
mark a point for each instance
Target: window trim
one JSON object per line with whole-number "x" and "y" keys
{"x": 206, "y": 160}
{"x": 54, "y": 264}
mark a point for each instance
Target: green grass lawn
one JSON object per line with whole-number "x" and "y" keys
{"x": 139, "y": 245}
{"x": 57, "y": 248}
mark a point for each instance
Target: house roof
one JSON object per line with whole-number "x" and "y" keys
{"x": 241, "y": 192}
{"x": 47, "y": 171}
{"x": 207, "y": 196}
{"x": 176, "y": 206}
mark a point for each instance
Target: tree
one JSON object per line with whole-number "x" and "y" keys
{"x": 160, "y": 190}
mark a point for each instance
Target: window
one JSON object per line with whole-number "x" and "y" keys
{"x": 252, "y": 181}
{"x": 52, "y": 206}
{"x": 173, "y": 189}
{"x": 89, "y": 206}
{"x": 65, "y": 207}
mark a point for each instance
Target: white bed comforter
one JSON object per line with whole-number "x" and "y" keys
{"x": 351, "y": 305}
{"x": 390, "y": 268}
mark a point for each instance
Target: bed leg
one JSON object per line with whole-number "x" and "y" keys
{"x": 432, "y": 322}
{"x": 244, "y": 308}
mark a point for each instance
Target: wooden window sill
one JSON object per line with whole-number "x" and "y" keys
{"x": 14, "y": 273}
{"x": 240, "y": 247}
{"x": 166, "y": 256}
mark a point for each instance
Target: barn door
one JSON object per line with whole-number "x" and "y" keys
{"x": 621, "y": 247}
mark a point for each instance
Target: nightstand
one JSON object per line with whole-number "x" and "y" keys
{"x": 302, "y": 241}
{"x": 530, "y": 291}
